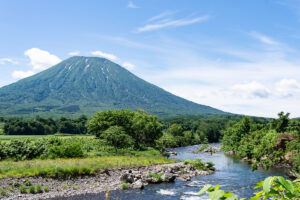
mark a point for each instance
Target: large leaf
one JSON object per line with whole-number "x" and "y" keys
{"x": 215, "y": 195}
{"x": 229, "y": 196}
{"x": 268, "y": 184}
{"x": 288, "y": 185}
{"x": 204, "y": 189}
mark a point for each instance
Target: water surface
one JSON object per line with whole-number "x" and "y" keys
{"x": 232, "y": 175}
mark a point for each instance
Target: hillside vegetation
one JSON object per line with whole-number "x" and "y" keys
{"x": 83, "y": 85}
{"x": 275, "y": 143}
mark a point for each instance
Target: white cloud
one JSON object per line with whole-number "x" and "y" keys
{"x": 22, "y": 74}
{"x": 74, "y": 53}
{"x": 128, "y": 65}
{"x": 172, "y": 23}
{"x": 287, "y": 87}
{"x": 264, "y": 39}
{"x": 7, "y": 60}
{"x": 161, "y": 15}
{"x": 131, "y": 5}
{"x": 251, "y": 90}
{"x": 105, "y": 55}
{"x": 40, "y": 59}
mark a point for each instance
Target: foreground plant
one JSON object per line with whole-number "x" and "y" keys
{"x": 275, "y": 188}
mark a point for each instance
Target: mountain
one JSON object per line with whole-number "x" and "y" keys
{"x": 87, "y": 85}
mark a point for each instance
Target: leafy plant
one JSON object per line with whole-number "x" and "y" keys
{"x": 276, "y": 188}
{"x": 32, "y": 189}
{"x": 23, "y": 189}
{"x": 46, "y": 189}
{"x": 38, "y": 188}
{"x": 124, "y": 186}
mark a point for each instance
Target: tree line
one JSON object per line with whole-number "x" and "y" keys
{"x": 266, "y": 145}
{"x": 44, "y": 126}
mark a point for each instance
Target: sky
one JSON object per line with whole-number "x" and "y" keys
{"x": 238, "y": 56}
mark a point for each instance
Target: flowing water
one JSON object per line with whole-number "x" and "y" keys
{"x": 231, "y": 175}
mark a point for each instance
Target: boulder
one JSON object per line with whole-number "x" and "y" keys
{"x": 127, "y": 177}
{"x": 168, "y": 177}
{"x": 138, "y": 184}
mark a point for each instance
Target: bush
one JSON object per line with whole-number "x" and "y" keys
{"x": 32, "y": 189}
{"x": 38, "y": 188}
{"x": 23, "y": 189}
{"x": 46, "y": 189}
{"x": 124, "y": 186}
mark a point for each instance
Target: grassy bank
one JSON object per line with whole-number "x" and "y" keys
{"x": 68, "y": 168}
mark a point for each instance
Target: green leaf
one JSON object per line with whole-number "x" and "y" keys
{"x": 268, "y": 184}
{"x": 229, "y": 196}
{"x": 215, "y": 195}
{"x": 204, "y": 189}
{"x": 288, "y": 185}
{"x": 259, "y": 184}
{"x": 217, "y": 187}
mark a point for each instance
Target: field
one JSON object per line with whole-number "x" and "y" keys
{"x": 67, "y": 168}
{"x": 96, "y": 156}
{"x": 11, "y": 137}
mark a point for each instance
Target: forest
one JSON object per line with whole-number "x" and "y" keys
{"x": 276, "y": 143}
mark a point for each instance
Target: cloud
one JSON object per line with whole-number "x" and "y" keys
{"x": 287, "y": 87}
{"x": 264, "y": 39}
{"x": 172, "y": 23}
{"x": 161, "y": 15}
{"x": 131, "y": 5}
{"x": 251, "y": 90}
{"x": 105, "y": 55}
{"x": 7, "y": 60}
{"x": 74, "y": 53}
{"x": 128, "y": 66}
{"x": 40, "y": 59}
{"x": 22, "y": 74}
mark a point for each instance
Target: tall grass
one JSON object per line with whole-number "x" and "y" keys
{"x": 68, "y": 168}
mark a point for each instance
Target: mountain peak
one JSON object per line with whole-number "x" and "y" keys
{"x": 86, "y": 85}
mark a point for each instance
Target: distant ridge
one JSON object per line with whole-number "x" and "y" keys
{"x": 85, "y": 85}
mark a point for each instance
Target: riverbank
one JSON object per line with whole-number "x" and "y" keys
{"x": 112, "y": 179}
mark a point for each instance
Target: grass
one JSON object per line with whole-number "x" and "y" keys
{"x": 68, "y": 168}
{"x": 12, "y": 137}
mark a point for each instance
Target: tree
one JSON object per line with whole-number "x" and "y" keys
{"x": 116, "y": 136}
{"x": 104, "y": 119}
{"x": 281, "y": 124}
{"x": 175, "y": 130}
{"x": 146, "y": 129}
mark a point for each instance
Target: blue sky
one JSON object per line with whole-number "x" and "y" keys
{"x": 238, "y": 56}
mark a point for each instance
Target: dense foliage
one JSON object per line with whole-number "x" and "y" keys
{"x": 45, "y": 126}
{"x": 276, "y": 188}
{"x": 143, "y": 129}
{"x": 50, "y": 147}
{"x": 275, "y": 143}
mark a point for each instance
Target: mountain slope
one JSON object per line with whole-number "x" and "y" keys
{"x": 87, "y": 85}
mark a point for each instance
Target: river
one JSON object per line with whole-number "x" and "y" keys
{"x": 231, "y": 175}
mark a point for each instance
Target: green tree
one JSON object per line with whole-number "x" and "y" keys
{"x": 281, "y": 124}
{"x": 175, "y": 130}
{"x": 116, "y": 136}
{"x": 104, "y": 119}
{"x": 146, "y": 129}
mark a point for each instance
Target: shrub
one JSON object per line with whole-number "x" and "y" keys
{"x": 27, "y": 182}
{"x": 38, "y": 188}
{"x": 22, "y": 189}
{"x": 124, "y": 186}
{"x": 198, "y": 164}
{"x": 46, "y": 189}
{"x": 32, "y": 189}
{"x": 3, "y": 192}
